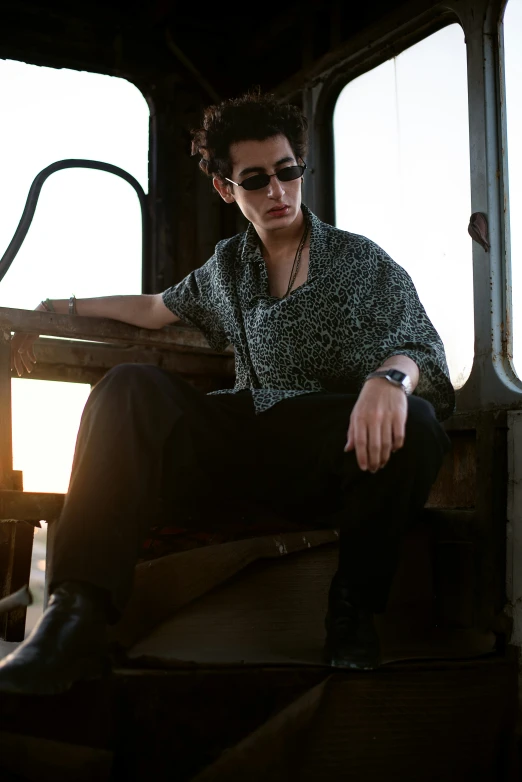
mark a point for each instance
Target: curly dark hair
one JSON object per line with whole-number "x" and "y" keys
{"x": 254, "y": 116}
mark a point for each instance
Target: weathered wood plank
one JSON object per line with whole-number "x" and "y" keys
{"x": 31, "y": 506}
{"x": 7, "y": 533}
{"x": 6, "y": 446}
{"x": 71, "y": 358}
{"x": 176, "y": 337}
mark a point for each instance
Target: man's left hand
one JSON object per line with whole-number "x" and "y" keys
{"x": 377, "y": 423}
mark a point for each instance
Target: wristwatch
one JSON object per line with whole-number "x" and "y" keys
{"x": 396, "y": 377}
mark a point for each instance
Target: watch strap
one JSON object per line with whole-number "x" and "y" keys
{"x": 404, "y": 382}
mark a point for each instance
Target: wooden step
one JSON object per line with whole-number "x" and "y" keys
{"x": 414, "y": 722}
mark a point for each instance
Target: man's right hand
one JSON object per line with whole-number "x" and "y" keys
{"x": 146, "y": 311}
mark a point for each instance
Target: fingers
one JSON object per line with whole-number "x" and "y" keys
{"x": 372, "y": 448}
{"x": 375, "y": 435}
{"x": 374, "y": 444}
{"x": 349, "y": 440}
{"x": 386, "y": 442}
{"x": 22, "y": 353}
{"x": 16, "y": 358}
{"x": 398, "y": 433}
{"x": 360, "y": 443}
{"x": 27, "y": 360}
{"x": 16, "y": 362}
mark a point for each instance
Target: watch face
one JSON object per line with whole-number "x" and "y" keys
{"x": 396, "y": 375}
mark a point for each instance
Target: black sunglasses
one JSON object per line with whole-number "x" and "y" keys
{"x": 258, "y": 181}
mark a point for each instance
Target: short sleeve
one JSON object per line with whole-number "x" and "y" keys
{"x": 199, "y": 301}
{"x": 404, "y": 328}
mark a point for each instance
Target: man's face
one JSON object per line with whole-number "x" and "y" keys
{"x": 272, "y": 207}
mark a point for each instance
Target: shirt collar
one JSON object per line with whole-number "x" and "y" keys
{"x": 251, "y": 252}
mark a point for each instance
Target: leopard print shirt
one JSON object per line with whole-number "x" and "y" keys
{"x": 356, "y": 309}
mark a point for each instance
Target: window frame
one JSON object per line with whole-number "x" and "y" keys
{"x": 493, "y": 382}
{"x": 507, "y": 334}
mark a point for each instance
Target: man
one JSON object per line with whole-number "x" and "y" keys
{"x": 330, "y": 340}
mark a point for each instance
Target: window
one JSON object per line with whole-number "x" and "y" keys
{"x": 513, "y": 78}
{"x": 402, "y": 178}
{"x": 85, "y": 238}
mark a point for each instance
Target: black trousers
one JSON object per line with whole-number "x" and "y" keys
{"x": 149, "y": 442}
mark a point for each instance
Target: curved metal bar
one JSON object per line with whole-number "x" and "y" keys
{"x": 34, "y": 193}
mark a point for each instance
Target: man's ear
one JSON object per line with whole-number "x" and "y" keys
{"x": 224, "y": 190}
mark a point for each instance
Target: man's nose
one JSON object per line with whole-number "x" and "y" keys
{"x": 275, "y": 188}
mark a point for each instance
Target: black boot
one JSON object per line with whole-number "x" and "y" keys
{"x": 69, "y": 643}
{"x": 351, "y": 637}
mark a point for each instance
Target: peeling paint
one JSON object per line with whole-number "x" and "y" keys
{"x": 505, "y": 336}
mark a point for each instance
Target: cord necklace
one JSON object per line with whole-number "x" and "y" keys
{"x": 297, "y": 260}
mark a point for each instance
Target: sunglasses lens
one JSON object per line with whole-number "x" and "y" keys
{"x": 284, "y": 175}
{"x": 289, "y": 173}
{"x": 256, "y": 182}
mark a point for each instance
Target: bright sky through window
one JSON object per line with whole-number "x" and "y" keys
{"x": 402, "y": 178}
{"x": 86, "y": 235}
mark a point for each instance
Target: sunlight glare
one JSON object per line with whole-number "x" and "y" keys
{"x": 46, "y": 417}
